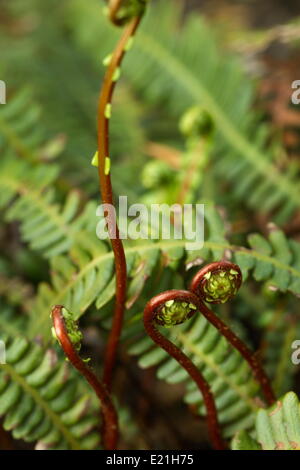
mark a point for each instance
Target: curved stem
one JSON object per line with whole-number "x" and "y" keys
{"x": 110, "y": 429}
{"x": 107, "y": 197}
{"x": 114, "y": 6}
{"x": 238, "y": 344}
{"x": 216, "y": 283}
{"x": 150, "y": 313}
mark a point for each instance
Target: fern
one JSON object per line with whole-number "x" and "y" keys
{"x": 28, "y": 194}
{"x": 20, "y": 129}
{"x": 41, "y": 399}
{"x": 71, "y": 106}
{"x": 283, "y": 271}
{"x": 229, "y": 375}
{"x": 85, "y": 276}
{"x": 277, "y": 428}
{"x": 277, "y": 342}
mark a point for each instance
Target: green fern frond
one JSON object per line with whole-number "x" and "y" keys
{"x": 40, "y": 400}
{"x": 275, "y": 259}
{"x": 28, "y": 195}
{"x": 86, "y": 275}
{"x": 20, "y": 129}
{"x": 277, "y": 341}
{"x": 277, "y": 428}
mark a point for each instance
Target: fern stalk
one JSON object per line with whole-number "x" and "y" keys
{"x": 217, "y": 283}
{"x": 160, "y": 310}
{"x": 104, "y": 110}
{"x": 66, "y": 340}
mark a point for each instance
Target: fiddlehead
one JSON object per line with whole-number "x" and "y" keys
{"x": 172, "y": 308}
{"x": 132, "y": 13}
{"x": 66, "y": 331}
{"x": 216, "y": 283}
{"x": 121, "y": 11}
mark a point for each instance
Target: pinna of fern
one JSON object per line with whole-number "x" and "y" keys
{"x": 276, "y": 428}
{"x": 42, "y": 399}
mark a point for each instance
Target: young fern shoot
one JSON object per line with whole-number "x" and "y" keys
{"x": 66, "y": 331}
{"x": 172, "y": 308}
{"x": 216, "y": 283}
{"x": 120, "y": 11}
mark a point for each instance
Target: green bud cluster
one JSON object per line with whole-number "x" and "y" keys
{"x": 220, "y": 286}
{"x": 196, "y": 121}
{"x": 156, "y": 173}
{"x": 175, "y": 312}
{"x": 73, "y": 331}
{"x": 130, "y": 9}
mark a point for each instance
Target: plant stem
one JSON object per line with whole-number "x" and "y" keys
{"x": 107, "y": 198}
{"x": 150, "y": 314}
{"x": 216, "y": 283}
{"x": 114, "y": 6}
{"x": 110, "y": 428}
{"x": 247, "y": 354}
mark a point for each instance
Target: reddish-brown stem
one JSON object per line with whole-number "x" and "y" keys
{"x": 247, "y": 354}
{"x": 197, "y": 288}
{"x": 151, "y": 310}
{"x": 114, "y": 6}
{"x": 107, "y": 198}
{"x": 110, "y": 428}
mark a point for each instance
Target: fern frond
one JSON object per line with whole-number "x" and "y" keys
{"x": 28, "y": 195}
{"x": 277, "y": 428}
{"x": 20, "y": 129}
{"x": 276, "y": 260}
{"x": 86, "y": 275}
{"x": 277, "y": 341}
{"x": 41, "y": 401}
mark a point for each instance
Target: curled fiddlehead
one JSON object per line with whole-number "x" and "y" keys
{"x": 120, "y": 12}
{"x": 216, "y": 283}
{"x": 66, "y": 331}
{"x": 172, "y": 308}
